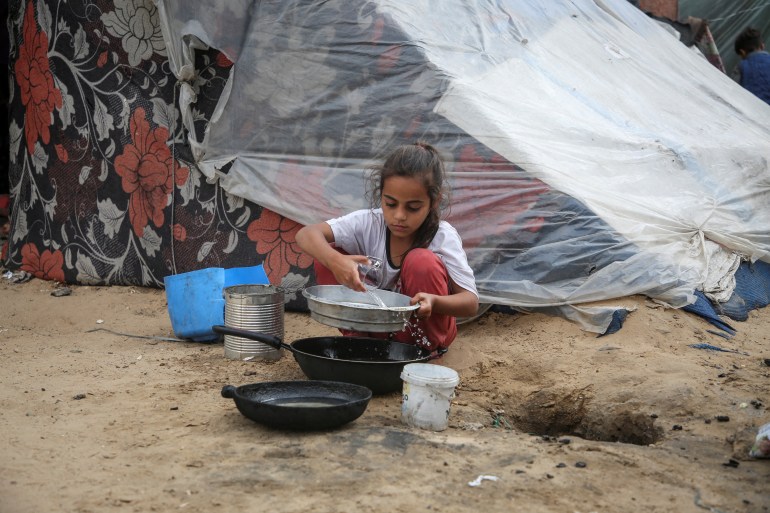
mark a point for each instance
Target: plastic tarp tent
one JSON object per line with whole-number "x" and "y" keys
{"x": 591, "y": 155}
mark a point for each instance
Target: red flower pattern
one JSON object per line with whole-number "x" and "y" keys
{"x": 180, "y": 232}
{"x": 102, "y": 60}
{"x": 480, "y": 209}
{"x": 388, "y": 59}
{"x": 223, "y": 61}
{"x": 145, "y": 167}
{"x": 62, "y": 153}
{"x": 39, "y": 94}
{"x": 275, "y": 238}
{"x": 46, "y": 266}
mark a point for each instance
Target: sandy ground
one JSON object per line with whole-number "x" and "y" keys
{"x": 92, "y": 421}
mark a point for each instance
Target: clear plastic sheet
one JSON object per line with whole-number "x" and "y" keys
{"x": 592, "y": 156}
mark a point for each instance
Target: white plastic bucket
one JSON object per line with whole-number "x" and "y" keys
{"x": 427, "y": 395}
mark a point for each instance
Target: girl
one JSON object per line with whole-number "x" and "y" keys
{"x": 423, "y": 255}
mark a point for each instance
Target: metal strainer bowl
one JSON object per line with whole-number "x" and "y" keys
{"x": 341, "y": 307}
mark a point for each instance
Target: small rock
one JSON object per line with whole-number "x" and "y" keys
{"x": 722, "y": 418}
{"x": 707, "y": 421}
{"x": 549, "y": 476}
{"x": 565, "y": 441}
{"x": 250, "y": 373}
{"x": 174, "y": 408}
{"x": 78, "y": 397}
{"x": 63, "y": 291}
{"x": 653, "y": 415}
{"x": 731, "y": 463}
{"x": 676, "y": 427}
{"x": 561, "y": 465}
{"x": 581, "y": 464}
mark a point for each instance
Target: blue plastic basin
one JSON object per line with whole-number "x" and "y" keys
{"x": 195, "y": 299}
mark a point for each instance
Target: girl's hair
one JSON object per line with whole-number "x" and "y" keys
{"x": 748, "y": 41}
{"x": 422, "y": 162}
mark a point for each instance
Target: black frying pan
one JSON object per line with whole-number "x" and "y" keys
{"x": 370, "y": 362}
{"x": 300, "y": 405}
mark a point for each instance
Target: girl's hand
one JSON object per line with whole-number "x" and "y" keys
{"x": 345, "y": 270}
{"x": 426, "y": 302}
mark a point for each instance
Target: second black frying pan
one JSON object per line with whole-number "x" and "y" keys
{"x": 371, "y": 362}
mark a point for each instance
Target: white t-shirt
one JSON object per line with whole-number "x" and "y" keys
{"x": 363, "y": 232}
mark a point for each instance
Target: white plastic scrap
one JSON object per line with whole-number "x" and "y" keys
{"x": 478, "y": 480}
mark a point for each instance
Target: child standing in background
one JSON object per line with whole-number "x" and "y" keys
{"x": 422, "y": 255}
{"x": 754, "y": 68}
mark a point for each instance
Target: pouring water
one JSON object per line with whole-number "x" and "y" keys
{"x": 371, "y": 277}
{"x": 377, "y": 299}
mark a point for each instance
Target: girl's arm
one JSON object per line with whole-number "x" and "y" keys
{"x": 461, "y": 303}
{"x": 315, "y": 240}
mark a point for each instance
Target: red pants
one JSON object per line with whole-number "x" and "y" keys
{"x": 421, "y": 271}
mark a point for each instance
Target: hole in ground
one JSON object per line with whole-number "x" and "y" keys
{"x": 575, "y": 412}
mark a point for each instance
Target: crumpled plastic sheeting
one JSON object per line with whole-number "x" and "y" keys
{"x": 590, "y": 153}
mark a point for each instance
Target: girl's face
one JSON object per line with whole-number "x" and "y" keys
{"x": 405, "y": 205}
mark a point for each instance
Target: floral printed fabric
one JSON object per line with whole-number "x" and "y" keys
{"x": 103, "y": 186}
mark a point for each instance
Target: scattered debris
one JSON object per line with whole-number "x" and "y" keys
{"x": 478, "y": 480}
{"x": 720, "y": 334}
{"x": 761, "y": 447}
{"x": 17, "y": 277}
{"x": 499, "y": 420}
{"x": 169, "y": 339}
{"x": 62, "y": 291}
{"x": 710, "y": 347}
